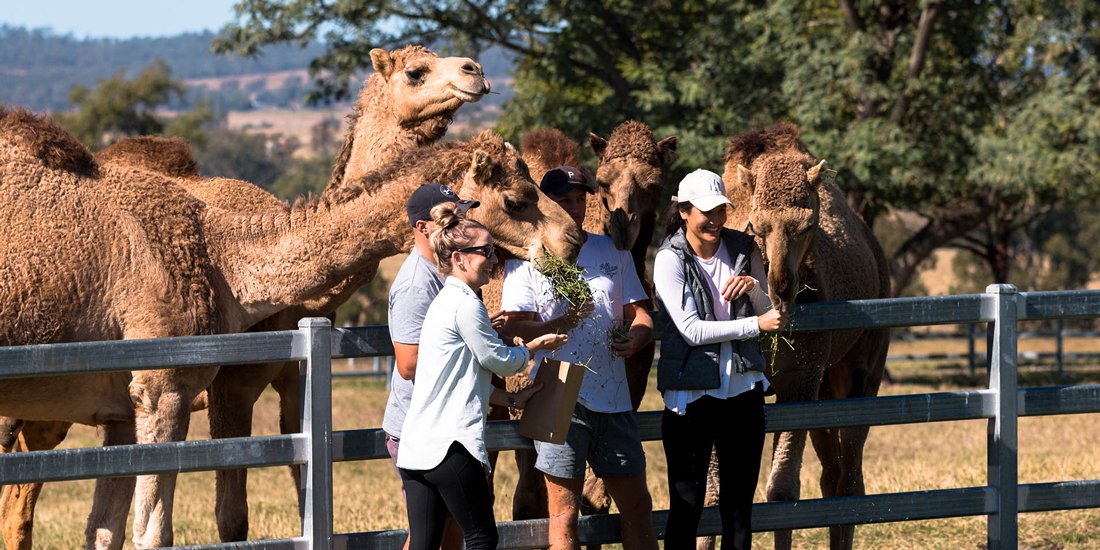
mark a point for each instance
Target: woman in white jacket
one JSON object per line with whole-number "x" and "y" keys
{"x": 443, "y": 461}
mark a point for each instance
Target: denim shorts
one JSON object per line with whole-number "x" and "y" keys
{"x": 609, "y": 442}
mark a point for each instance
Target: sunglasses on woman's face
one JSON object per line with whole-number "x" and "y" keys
{"x": 486, "y": 250}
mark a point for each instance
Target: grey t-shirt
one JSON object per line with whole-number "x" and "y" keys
{"x": 413, "y": 289}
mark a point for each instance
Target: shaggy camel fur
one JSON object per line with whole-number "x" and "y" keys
{"x": 628, "y": 190}
{"x": 408, "y": 102}
{"x": 145, "y": 259}
{"x": 817, "y": 249}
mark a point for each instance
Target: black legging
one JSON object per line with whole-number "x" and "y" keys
{"x": 457, "y": 485}
{"x": 735, "y": 427}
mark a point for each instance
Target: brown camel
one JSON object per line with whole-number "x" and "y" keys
{"x": 123, "y": 253}
{"x": 817, "y": 249}
{"x": 628, "y": 180}
{"x": 407, "y": 103}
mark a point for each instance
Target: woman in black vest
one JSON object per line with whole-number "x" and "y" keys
{"x": 711, "y": 284}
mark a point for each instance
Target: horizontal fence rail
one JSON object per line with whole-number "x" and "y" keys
{"x": 312, "y": 447}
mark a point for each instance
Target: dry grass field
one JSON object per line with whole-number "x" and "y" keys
{"x": 898, "y": 458}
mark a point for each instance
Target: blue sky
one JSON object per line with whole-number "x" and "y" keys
{"x": 118, "y": 18}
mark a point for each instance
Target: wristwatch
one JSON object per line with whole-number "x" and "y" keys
{"x": 511, "y": 404}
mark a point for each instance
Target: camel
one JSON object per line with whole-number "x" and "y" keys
{"x": 628, "y": 179}
{"x": 123, "y": 253}
{"x": 817, "y": 249}
{"x": 408, "y": 102}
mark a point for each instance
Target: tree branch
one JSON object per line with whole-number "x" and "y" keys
{"x": 916, "y": 56}
{"x": 938, "y": 232}
{"x": 850, "y": 16}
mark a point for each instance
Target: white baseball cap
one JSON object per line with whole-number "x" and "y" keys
{"x": 703, "y": 189}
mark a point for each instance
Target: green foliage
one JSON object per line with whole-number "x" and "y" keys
{"x": 934, "y": 106}
{"x": 120, "y": 107}
{"x": 303, "y": 177}
{"x": 258, "y": 159}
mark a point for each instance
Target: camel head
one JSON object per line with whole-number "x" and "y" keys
{"x": 421, "y": 85}
{"x": 773, "y": 181}
{"x": 631, "y": 164}
{"x": 523, "y": 220}
{"x": 784, "y": 217}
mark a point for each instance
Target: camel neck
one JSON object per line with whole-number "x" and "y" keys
{"x": 378, "y": 135}
{"x": 282, "y": 257}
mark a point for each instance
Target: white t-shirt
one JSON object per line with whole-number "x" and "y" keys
{"x": 668, "y": 279}
{"x": 614, "y": 282}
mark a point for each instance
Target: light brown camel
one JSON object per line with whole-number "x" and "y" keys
{"x": 408, "y": 102}
{"x": 628, "y": 190}
{"x": 114, "y": 253}
{"x": 817, "y": 249}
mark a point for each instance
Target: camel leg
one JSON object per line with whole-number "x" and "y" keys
{"x": 594, "y": 498}
{"x": 784, "y": 482}
{"x": 288, "y": 385}
{"x": 710, "y": 498}
{"x": 840, "y": 451}
{"x": 530, "y": 498}
{"x": 232, "y": 397}
{"x": 19, "y": 500}
{"x": 111, "y": 502}
{"x": 163, "y": 399}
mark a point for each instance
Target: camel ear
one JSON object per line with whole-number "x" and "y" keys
{"x": 667, "y": 147}
{"x": 830, "y": 176}
{"x": 813, "y": 175}
{"x": 481, "y": 167}
{"x": 744, "y": 177}
{"x": 599, "y": 144}
{"x": 382, "y": 61}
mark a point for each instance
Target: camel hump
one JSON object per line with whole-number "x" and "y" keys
{"x": 170, "y": 156}
{"x": 746, "y": 147}
{"x": 551, "y": 146}
{"x": 46, "y": 142}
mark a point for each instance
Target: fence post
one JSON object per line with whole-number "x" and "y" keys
{"x": 1002, "y": 442}
{"x": 316, "y": 380}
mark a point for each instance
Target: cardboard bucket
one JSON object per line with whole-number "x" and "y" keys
{"x": 547, "y": 413}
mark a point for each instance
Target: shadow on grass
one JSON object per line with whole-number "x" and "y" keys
{"x": 953, "y": 375}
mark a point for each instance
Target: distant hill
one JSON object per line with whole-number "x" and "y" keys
{"x": 38, "y": 69}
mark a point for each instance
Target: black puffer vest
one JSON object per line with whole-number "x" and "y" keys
{"x": 685, "y": 367}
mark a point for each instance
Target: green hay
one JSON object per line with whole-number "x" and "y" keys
{"x": 566, "y": 279}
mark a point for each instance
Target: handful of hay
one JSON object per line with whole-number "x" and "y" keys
{"x": 566, "y": 279}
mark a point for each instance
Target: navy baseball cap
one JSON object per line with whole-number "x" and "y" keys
{"x": 427, "y": 196}
{"x": 563, "y": 179}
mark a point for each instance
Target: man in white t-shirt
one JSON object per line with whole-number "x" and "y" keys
{"x": 603, "y": 432}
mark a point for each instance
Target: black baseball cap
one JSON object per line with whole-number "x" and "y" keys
{"x": 563, "y": 179}
{"x": 427, "y": 196}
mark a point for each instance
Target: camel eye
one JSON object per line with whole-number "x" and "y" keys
{"x": 512, "y": 205}
{"x": 752, "y": 229}
{"x": 414, "y": 75}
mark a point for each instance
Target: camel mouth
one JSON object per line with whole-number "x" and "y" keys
{"x": 470, "y": 96}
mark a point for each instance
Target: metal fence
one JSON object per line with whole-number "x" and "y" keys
{"x": 317, "y": 447}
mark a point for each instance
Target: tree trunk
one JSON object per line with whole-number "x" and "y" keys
{"x": 936, "y": 233}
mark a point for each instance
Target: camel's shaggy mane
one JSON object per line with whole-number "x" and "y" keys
{"x": 551, "y": 145}
{"x": 744, "y": 148}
